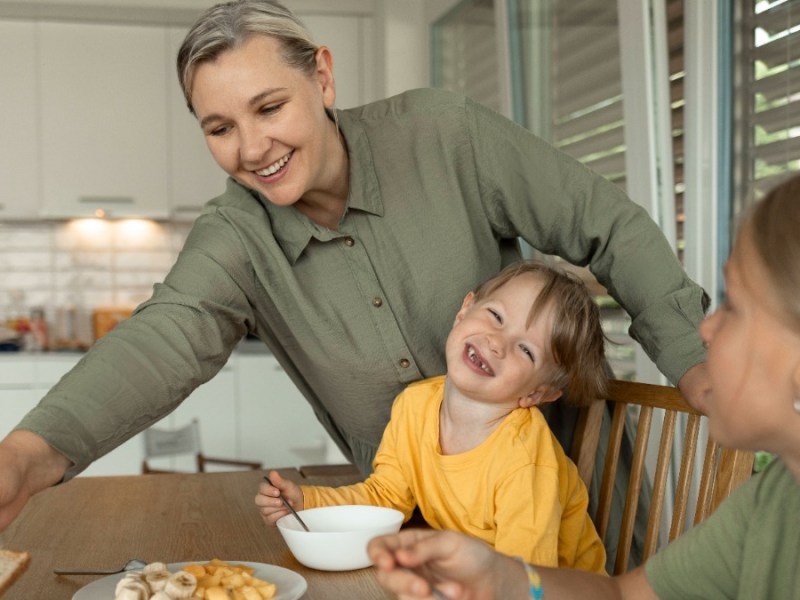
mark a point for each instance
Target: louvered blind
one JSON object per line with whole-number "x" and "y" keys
{"x": 586, "y": 85}
{"x": 768, "y": 96}
{"x": 465, "y": 52}
{"x": 675, "y": 46}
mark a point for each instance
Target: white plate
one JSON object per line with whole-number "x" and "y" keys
{"x": 291, "y": 585}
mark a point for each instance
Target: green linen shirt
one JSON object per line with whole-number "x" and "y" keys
{"x": 746, "y": 550}
{"x": 441, "y": 188}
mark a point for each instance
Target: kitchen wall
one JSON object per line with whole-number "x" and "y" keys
{"x": 87, "y": 262}
{"x": 96, "y": 263}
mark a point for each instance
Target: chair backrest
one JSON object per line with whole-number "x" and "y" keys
{"x": 170, "y": 442}
{"x": 185, "y": 441}
{"x": 723, "y": 469}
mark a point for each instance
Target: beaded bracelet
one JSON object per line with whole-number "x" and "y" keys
{"x": 534, "y": 580}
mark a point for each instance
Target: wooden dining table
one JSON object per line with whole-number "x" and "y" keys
{"x": 103, "y": 522}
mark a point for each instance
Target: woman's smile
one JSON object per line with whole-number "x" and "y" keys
{"x": 275, "y": 170}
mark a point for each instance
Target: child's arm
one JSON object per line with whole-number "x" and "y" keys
{"x": 268, "y": 498}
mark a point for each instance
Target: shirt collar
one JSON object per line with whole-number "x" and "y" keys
{"x": 293, "y": 230}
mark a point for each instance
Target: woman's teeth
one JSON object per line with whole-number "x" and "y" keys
{"x": 275, "y": 167}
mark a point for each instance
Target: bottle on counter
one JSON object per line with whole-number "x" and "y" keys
{"x": 17, "y": 321}
{"x": 38, "y": 335}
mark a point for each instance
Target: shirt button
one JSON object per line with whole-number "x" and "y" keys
{"x": 348, "y": 241}
{"x": 405, "y": 363}
{"x": 377, "y": 302}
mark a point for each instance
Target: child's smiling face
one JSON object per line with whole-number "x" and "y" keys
{"x": 494, "y": 354}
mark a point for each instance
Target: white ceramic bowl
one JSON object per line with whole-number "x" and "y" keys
{"x": 338, "y": 536}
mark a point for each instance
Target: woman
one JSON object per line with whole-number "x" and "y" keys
{"x": 748, "y": 547}
{"x": 345, "y": 241}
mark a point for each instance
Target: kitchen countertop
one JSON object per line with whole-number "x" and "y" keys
{"x": 246, "y": 346}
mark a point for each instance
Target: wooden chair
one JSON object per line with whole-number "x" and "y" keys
{"x": 161, "y": 443}
{"x": 723, "y": 469}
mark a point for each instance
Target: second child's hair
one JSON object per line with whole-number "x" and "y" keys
{"x": 227, "y": 26}
{"x": 774, "y": 227}
{"x": 577, "y": 340}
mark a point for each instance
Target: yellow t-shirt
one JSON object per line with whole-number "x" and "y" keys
{"x": 517, "y": 490}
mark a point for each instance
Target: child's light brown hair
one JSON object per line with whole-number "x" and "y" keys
{"x": 577, "y": 340}
{"x": 774, "y": 224}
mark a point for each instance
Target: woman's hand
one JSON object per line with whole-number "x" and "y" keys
{"x": 27, "y": 465}
{"x": 695, "y": 385}
{"x": 268, "y": 498}
{"x": 415, "y": 561}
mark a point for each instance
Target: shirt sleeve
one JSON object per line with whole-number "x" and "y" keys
{"x": 149, "y": 363}
{"x": 560, "y": 207}
{"x": 387, "y": 485}
{"x": 706, "y": 561}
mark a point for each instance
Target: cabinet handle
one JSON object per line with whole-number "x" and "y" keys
{"x": 106, "y": 200}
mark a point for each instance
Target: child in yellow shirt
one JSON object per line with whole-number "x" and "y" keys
{"x": 471, "y": 449}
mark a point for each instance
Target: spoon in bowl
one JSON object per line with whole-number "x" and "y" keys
{"x": 287, "y": 505}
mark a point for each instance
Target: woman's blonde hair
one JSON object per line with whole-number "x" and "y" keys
{"x": 227, "y": 26}
{"x": 774, "y": 228}
{"x": 577, "y": 340}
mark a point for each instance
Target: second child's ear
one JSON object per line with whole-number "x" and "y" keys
{"x": 541, "y": 395}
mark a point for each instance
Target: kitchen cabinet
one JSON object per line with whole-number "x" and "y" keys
{"x": 24, "y": 379}
{"x": 98, "y": 121}
{"x": 103, "y": 116}
{"x": 350, "y": 39}
{"x": 215, "y": 405}
{"x": 278, "y": 426}
{"x": 250, "y": 410}
{"x": 195, "y": 178}
{"x": 19, "y": 190}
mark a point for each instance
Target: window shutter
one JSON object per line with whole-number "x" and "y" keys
{"x": 675, "y": 44}
{"x": 768, "y": 94}
{"x": 465, "y": 52}
{"x": 587, "y": 119}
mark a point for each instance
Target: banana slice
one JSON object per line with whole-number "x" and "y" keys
{"x": 133, "y": 579}
{"x": 181, "y": 585}
{"x": 154, "y": 567}
{"x": 133, "y": 591}
{"x": 129, "y": 576}
{"x": 157, "y": 580}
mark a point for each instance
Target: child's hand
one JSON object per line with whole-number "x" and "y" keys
{"x": 268, "y": 499}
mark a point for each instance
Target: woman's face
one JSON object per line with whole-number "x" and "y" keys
{"x": 264, "y": 121}
{"x": 753, "y": 361}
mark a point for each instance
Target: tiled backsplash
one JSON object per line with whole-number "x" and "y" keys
{"x": 86, "y": 262}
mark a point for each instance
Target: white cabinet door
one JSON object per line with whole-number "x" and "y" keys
{"x": 19, "y": 172}
{"x": 350, "y": 41}
{"x": 122, "y": 460}
{"x": 104, "y": 119}
{"x": 195, "y": 178}
{"x": 277, "y": 425}
{"x": 214, "y": 404}
{"x": 15, "y": 404}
